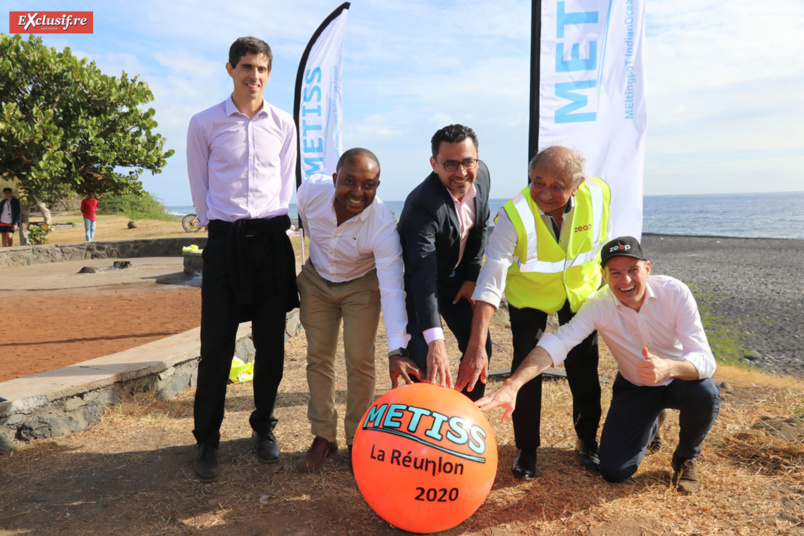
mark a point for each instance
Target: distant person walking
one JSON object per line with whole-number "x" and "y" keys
{"x": 9, "y": 217}
{"x": 88, "y": 208}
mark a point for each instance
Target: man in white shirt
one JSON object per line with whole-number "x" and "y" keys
{"x": 241, "y": 161}
{"x": 653, "y": 329}
{"x": 355, "y": 266}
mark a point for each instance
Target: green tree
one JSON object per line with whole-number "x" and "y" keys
{"x": 135, "y": 207}
{"x": 67, "y": 127}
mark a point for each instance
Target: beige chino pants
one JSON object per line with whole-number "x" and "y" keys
{"x": 323, "y": 304}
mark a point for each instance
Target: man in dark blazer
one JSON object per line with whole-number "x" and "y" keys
{"x": 443, "y": 230}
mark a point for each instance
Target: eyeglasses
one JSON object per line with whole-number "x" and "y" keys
{"x": 452, "y": 165}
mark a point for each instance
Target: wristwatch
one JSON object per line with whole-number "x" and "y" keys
{"x": 399, "y": 351}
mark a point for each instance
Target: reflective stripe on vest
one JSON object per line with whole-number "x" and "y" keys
{"x": 532, "y": 263}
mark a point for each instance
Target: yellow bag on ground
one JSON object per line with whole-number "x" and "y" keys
{"x": 241, "y": 372}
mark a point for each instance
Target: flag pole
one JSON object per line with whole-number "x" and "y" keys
{"x": 535, "y": 69}
{"x": 298, "y": 101}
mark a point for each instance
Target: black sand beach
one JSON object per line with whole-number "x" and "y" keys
{"x": 755, "y": 283}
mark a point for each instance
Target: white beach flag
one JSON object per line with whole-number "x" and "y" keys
{"x": 592, "y": 94}
{"x": 317, "y": 106}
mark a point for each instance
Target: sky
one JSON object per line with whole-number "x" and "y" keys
{"x": 723, "y": 81}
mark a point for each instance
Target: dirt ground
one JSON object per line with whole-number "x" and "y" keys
{"x": 132, "y": 473}
{"x": 56, "y": 328}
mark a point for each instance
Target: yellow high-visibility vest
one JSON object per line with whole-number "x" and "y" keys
{"x": 543, "y": 275}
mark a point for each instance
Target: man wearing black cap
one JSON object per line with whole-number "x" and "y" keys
{"x": 653, "y": 329}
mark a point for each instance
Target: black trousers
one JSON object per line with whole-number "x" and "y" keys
{"x": 459, "y": 320}
{"x": 631, "y": 423}
{"x": 268, "y": 258}
{"x": 527, "y": 328}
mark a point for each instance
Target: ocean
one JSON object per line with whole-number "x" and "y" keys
{"x": 766, "y": 215}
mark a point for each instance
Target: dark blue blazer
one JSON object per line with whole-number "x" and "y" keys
{"x": 431, "y": 239}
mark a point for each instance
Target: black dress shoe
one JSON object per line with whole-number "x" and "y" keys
{"x": 267, "y": 447}
{"x": 525, "y": 464}
{"x": 588, "y": 453}
{"x": 656, "y": 444}
{"x": 206, "y": 465}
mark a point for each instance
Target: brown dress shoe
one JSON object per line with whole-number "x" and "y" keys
{"x": 317, "y": 454}
{"x": 685, "y": 475}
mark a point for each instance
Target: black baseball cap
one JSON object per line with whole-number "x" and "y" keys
{"x": 624, "y": 246}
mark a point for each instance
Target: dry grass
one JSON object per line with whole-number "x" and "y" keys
{"x": 132, "y": 474}
{"x": 114, "y": 227}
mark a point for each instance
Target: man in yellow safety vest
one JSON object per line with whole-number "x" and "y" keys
{"x": 544, "y": 254}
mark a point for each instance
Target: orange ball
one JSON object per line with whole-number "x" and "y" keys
{"x": 424, "y": 457}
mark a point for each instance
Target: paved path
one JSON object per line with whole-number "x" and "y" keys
{"x": 65, "y": 275}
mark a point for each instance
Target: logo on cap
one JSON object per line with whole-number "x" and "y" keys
{"x": 622, "y": 247}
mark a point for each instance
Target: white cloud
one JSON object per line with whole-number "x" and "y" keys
{"x": 376, "y": 126}
{"x": 723, "y": 79}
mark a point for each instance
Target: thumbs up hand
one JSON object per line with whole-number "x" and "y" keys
{"x": 653, "y": 369}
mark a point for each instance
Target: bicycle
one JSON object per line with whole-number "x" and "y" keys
{"x": 191, "y": 223}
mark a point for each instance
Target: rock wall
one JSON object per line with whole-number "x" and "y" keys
{"x": 155, "y": 247}
{"x": 171, "y": 368}
{"x": 171, "y": 365}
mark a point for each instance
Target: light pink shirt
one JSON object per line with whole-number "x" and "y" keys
{"x": 668, "y": 325}
{"x": 467, "y": 218}
{"x": 241, "y": 167}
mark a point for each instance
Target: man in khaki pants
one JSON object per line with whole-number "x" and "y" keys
{"x": 355, "y": 265}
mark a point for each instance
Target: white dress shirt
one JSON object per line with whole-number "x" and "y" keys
{"x": 350, "y": 250}
{"x": 668, "y": 325}
{"x": 241, "y": 167}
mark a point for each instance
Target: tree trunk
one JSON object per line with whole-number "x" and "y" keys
{"x": 45, "y": 212}
{"x": 24, "y": 219}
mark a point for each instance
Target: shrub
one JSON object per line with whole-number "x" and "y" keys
{"x": 135, "y": 207}
{"x": 37, "y": 234}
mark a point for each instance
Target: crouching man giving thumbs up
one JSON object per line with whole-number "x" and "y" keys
{"x": 653, "y": 329}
